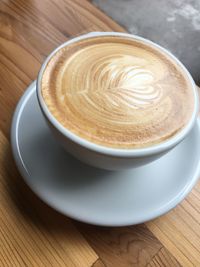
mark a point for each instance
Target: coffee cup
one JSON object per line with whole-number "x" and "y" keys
{"x": 116, "y": 100}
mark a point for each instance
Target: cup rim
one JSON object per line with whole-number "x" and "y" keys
{"x": 118, "y": 152}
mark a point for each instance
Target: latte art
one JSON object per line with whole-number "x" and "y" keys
{"x": 121, "y": 83}
{"x": 117, "y": 92}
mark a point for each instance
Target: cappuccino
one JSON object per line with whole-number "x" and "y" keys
{"x": 117, "y": 92}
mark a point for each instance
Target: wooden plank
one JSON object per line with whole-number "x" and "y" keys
{"x": 163, "y": 258}
{"x": 32, "y": 234}
{"x": 132, "y": 246}
{"x": 98, "y": 263}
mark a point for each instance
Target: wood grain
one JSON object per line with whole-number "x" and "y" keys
{"x": 133, "y": 246}
{"x": 98, "y": 263}
{"x": 32, "y": 234}
{"x": 163, "y": 258}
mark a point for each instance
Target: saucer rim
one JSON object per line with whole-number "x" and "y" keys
{"x": 24, "y": 173}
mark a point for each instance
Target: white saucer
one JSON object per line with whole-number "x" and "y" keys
{"x": 97, "y": 196}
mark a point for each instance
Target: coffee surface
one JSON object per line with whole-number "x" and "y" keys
{"x": 117, "y": 92}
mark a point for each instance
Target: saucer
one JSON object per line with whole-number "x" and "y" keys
{"x": 97, "y": 196}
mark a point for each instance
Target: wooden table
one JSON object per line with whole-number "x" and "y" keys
{"x": 31, "y": 233}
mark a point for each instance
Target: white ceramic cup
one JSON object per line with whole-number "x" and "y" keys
{"x": 106, "y": 157}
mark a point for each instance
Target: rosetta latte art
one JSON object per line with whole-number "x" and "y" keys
{"x": 120, "y": 83}
{"x": 117, "y": 92}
